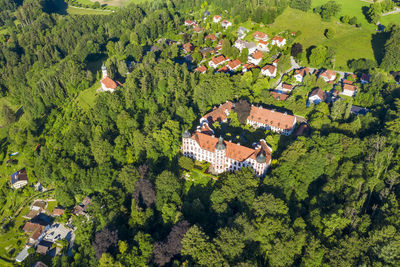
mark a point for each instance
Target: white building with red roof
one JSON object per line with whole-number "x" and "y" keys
{"x": 255, "y": 58}
{"x": 226, "y": 156}
{"x": 260, "y": 36}
{"x": 279, "y": 41}
{"x": 263, "y": 46}
{"x": 216, "y": 18}
{"x": 268, "y": 119}
{"x": 201, "y": 69}
{"x": 269, "y": 71}
{"x": 226, "y": 24}
{"x": 234, "y": 64}
{"x": 107, "y": 84}
{"x": 349, "y": 90}
{"x": 328, "y": 75}
{"x": 216, "y": 61}
{"x": 188, "y": 22}
{"x": 300, "y": 74}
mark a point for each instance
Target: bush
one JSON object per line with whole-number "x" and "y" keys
{"x": 329, "y": 33}
{"x": 353, "y": 21}
{"x": 186, "y": 163}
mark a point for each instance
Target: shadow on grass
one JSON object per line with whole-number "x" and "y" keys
{"x": 378, "y": 42}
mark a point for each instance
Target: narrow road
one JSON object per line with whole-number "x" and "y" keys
{"x": 395, "y": 11}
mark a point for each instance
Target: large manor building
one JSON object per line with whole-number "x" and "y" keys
{"x": 224, "y": 155}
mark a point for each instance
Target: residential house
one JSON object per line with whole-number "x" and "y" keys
{"x": 365, "y": 78}
{"x": 219, "y": 113}
{"x": 223, "y": 69}
{"x": 19, "y": 179}
{"x": 279, "y": 41}
{"x": 349, "y": 90}
{"x": 211, "y": 37}
{"x": 356, "y": 110}
{"x": 57, "y": 232}
{"x": 260, "y": 36}
{"x": 242, "y": 31}
{"x": 39, "y": 205}
{"x": 248, "y": 66}
{"x": 234, "y": 64}
{"x": 268, "y": 119}
{"x": 278, "y": 95}
{"x": 201, "y": 69}
{"x": 205, "y": 51}
{"x": 39, "y": 264}
{"x": 226, "y": 24}
{"x": 216, "y": 61}
{"x": 197, "y": 29}
{"x": 275, "y": 62}
{"x": 188, "y": 22}
{"x": 240, "y": 44}
{"x": 43, "y": 247}
{"x": 81, "y": 209}
{"x": 328, "y": 76}
{"x": 188, "y": 48}
{"x": 287, "y": 88}
{"x": 216, "y": 18}
{"x": 58, "y": 211}
{"x": 226, "y": 156}
{"x": 317, "y": 96}
{"x": 300, "y": 74}
{"x": 263, "y": 46}
{"x": 256, "y": 57}
{"x": 269, "y": 70}
{"x": 107, "y": 84}
{"x": 251, "y": 46}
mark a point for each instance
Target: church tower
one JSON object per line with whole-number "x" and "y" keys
{"x": 104, "y": 71}
{"x": 220, "y": 152}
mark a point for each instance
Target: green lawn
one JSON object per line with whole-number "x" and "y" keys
{"x": 84, "y": 11}
{"x": 51, "y": 205}
{"x": 86, "y": 98}
{"x": 394, "y": 18}
{"x": 350, "y": 42}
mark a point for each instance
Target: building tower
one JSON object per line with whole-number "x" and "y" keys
{"x": 185, "y": 143}
{"x": 220, "y": 152}
{"x": 104, "y": 71}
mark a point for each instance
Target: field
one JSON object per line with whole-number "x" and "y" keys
{"x": 394, "y": 18}
{"x": 86, "y": 11}
{"x": 87, "y": 97}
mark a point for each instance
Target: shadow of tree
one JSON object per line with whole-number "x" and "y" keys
{"x": 378, "y": 42}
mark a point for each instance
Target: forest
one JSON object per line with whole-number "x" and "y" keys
{"x": 330, "y": 198}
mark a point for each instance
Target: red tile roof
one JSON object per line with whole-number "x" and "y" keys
{"x": 278, "y": 38}
{"x": 212, "y": 37}
{"x": 109, "y": 83}
{"x": 218, "y": 60}
{"x": 349, "y": 87}
{"x": 330, "y": 74}
{"x": 249, "y": 66}
{"x": 278, "y": 96}
{"x": 272, "y": 118}
{"x": 197, "y": 29}
{"x": 58, "y": 212}
{"x": 321, "y": 94}
{"x": 257, "y": 55}
{"x": 188, "y": 47}
{"x": 263, "y": 42}
{"x": 201, "y": 69}
{"x": 287, "y": 86}
{"x": 259, "y": 35}
{"x": 233, "y": 151}
{"x": 347, "y": 82}
{"x": 218, "y": 114}
{"x": 234, "y": 63}
{"x": 303, "y": 72}
{"x": 270, "y": 68}
{"x": 223, "y": 69}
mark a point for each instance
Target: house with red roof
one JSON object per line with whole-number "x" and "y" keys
{"x": 287, "y": 88}
{"x": 256, "y": 57}
{"x": 107, "y": 84}
{"x": 349, "y": 90}
{"x": 328, "y": 75}
{"x": 188, "y": 48}
{"x": 201, "y": 69}
{"x": 234, "y": 64}
{"x": 216, "y": 61}
{"x": 188, "y": 22}
{"x": 273, "y": 120}
{"x": 260, "y": 36}
{"x": 278, "y": 95}
{"x": 263, "y": 46}
{"x": 211, "y": 37}
{"x": 269, "y": 71}
{"x": 226, "y": 24}
{"x": 279, "y": 41}
{"x": 216, "y": 18}
{"x": 300, "y": 74}
{"x": 247, "y": 67}
{"x": 317, "y": 96}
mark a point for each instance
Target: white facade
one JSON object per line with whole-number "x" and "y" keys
{"x": 216, "y": 19}
{"x": 298, "y": 77}
{"x": 348, "y": 92}
{"x": 257, "y": 124}
{"x": 267, "y": 72}
{"x": 279, "y": 43}
{"x": 20, "y": 184}
{"x": 221, "y": 163}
